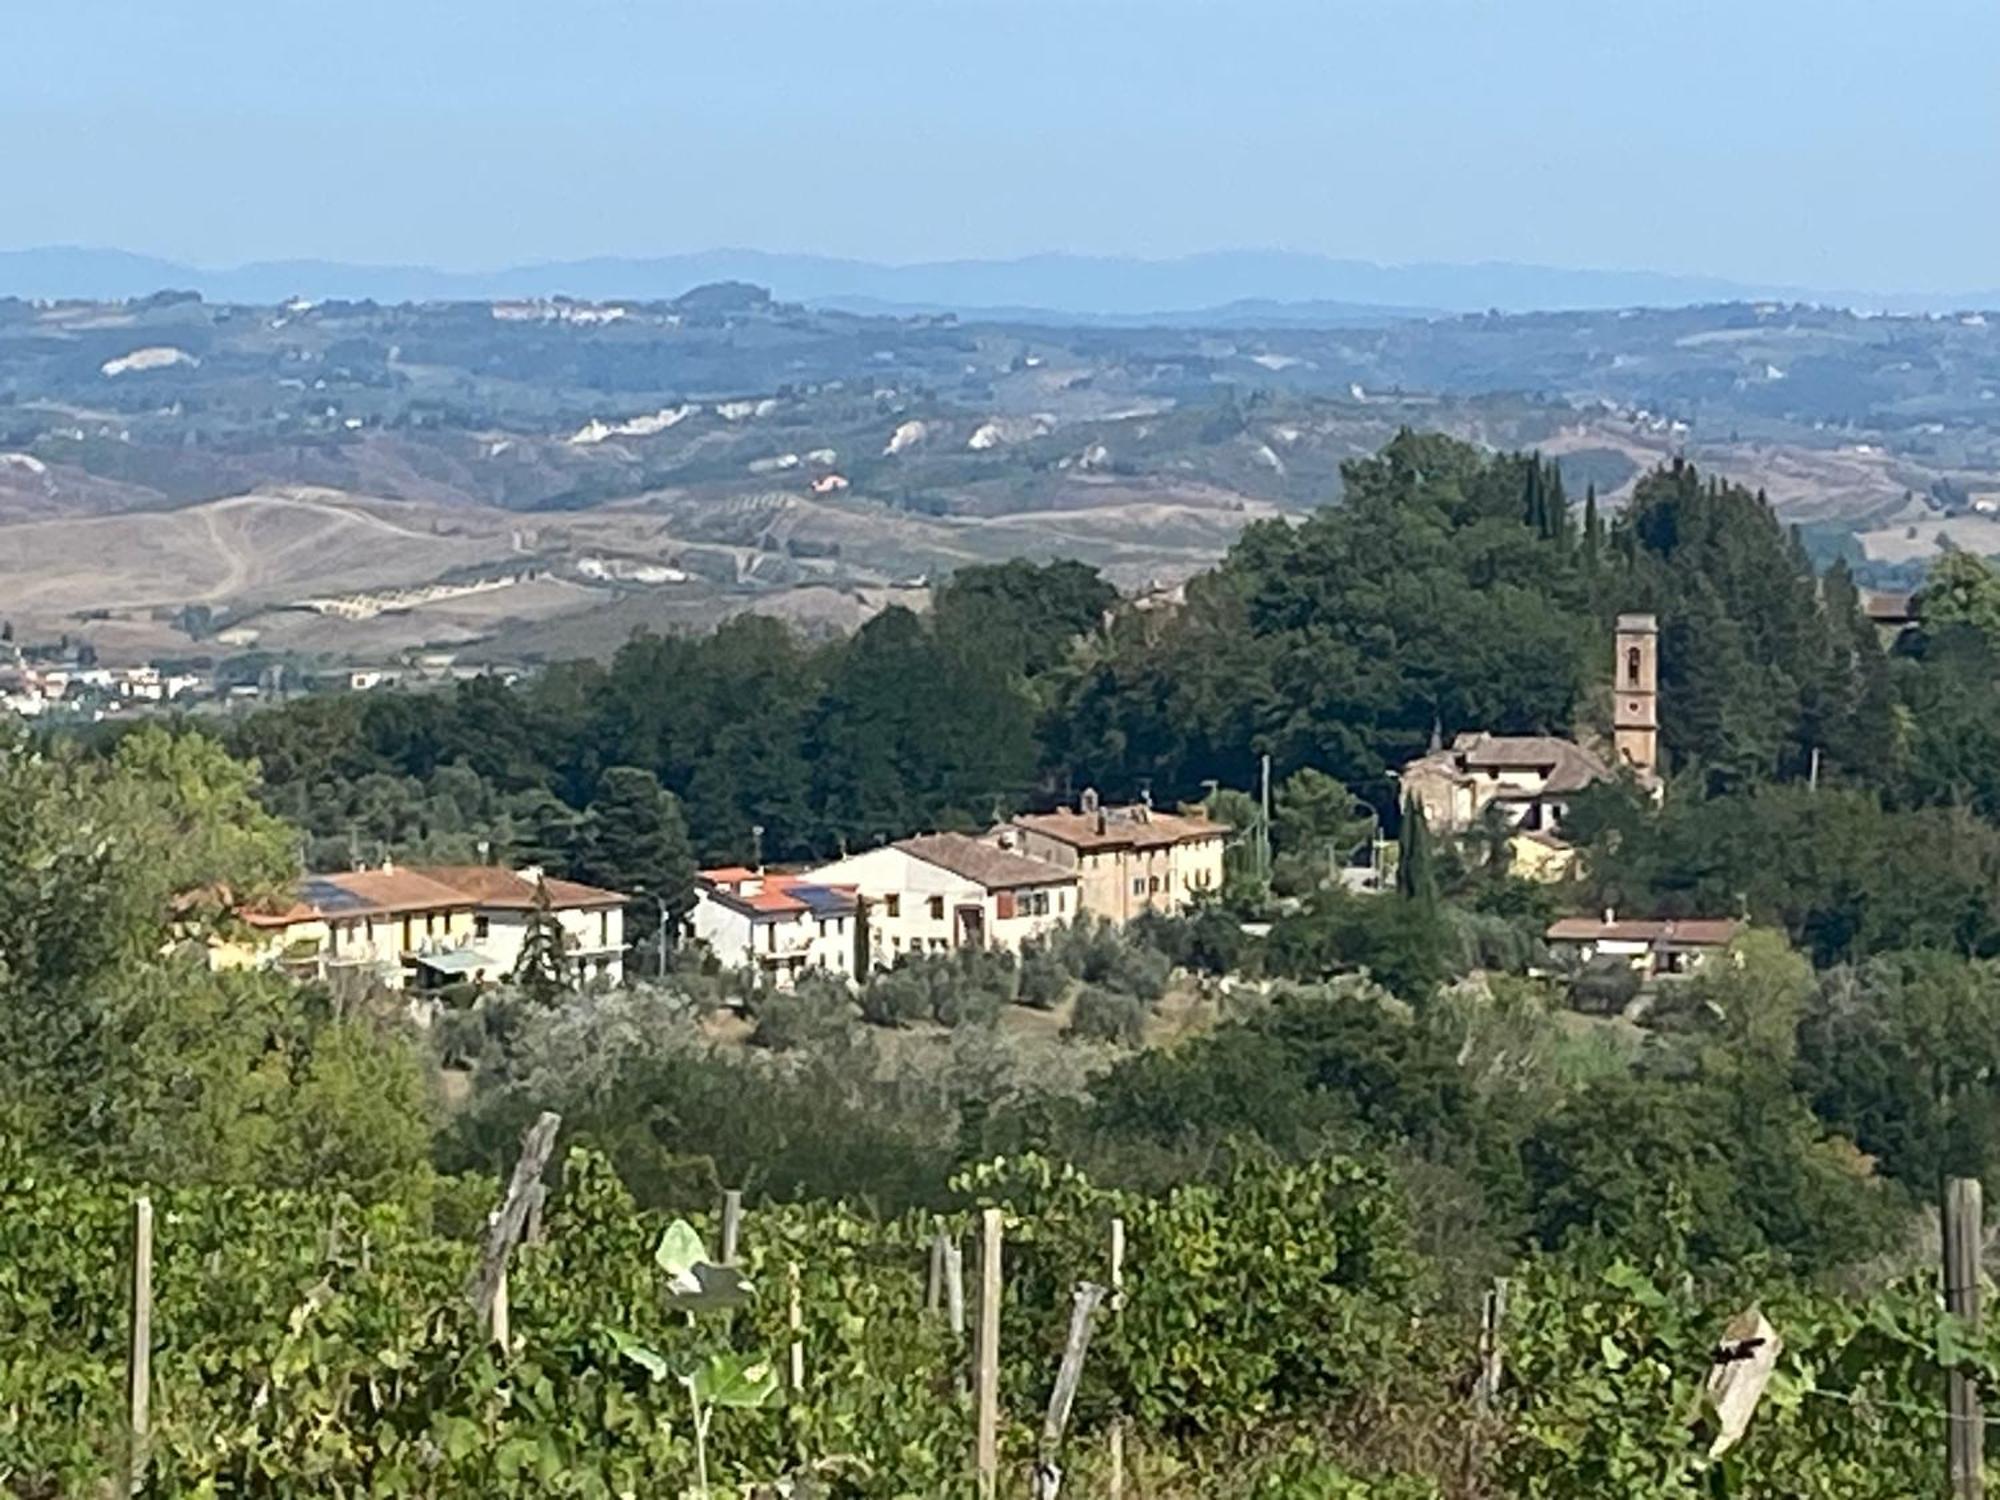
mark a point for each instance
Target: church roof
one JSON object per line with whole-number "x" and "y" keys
{"x": 1565, "y": 765}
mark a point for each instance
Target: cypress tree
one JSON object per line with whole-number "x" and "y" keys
{"x": 1556, "y": 505}
{"x": 1416, "y": 858}
{"x": 1593, "y": 526}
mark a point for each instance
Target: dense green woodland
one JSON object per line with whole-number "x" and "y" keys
{"x": 1325, "y": 1140}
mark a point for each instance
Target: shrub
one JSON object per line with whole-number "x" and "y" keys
{"x": 1604, "y": 986}
{"x": 1099, "y": 954}
{"x": 900, "y": 996}
{"x": 817, "y": 1008}
{"x": 1139, "y": 972}
{"x": 1108, "y": 1016}
{"x": 964, "y": 988}
{"x": 1043, "y": 981}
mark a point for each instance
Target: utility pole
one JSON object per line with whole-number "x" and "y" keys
{"x": 663, "y": 939}
{"x": 757, "y": 845}
{"x": 1264, "y": 824}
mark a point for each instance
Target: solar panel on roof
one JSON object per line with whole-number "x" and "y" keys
{"x": 820, "y": 899}
{"x": 318, "y": 891}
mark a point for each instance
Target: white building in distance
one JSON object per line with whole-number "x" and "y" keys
{"x": 944, "y": 891}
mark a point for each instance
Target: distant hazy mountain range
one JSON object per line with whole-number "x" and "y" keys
{"x": 1223, "y": 288}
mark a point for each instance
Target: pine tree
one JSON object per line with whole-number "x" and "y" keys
{"x": 635, "y": 839}
{"x": 1416, "y": 858}
{"x": 543, "y": 970}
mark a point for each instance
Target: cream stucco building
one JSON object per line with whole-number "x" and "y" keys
{"x": 396, "y": 928}
{"x": 1127, "y": 860}
{"x": 944, "y": 891}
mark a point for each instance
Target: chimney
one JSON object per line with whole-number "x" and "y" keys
{"x": 1610, "y": 915}
{"x": 388, "y": 865}
{"x": 1088, "y": 801}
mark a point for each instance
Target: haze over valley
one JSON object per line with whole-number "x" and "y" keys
{"x": 522, "y": 479}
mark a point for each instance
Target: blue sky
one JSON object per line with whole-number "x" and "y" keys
{"x": 1831, "y": 143}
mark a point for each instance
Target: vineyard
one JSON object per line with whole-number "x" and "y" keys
{"x": 1273, "y": 1336}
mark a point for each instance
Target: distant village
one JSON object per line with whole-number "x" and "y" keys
{"x": 431, "y": 927}
{"x": 65, "y": 684}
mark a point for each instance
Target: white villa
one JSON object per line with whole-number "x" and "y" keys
{"x": 781, "y": 925}
{"x": 944, "y": 891}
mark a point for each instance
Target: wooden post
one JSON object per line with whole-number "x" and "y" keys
{"x": 139, "y": 1369}
{"x": 795, "y": 1318}
{"x": 508, "y": 1222}
{"x": 954, "y": 1285}
{"x": 1048, "y": 1472}
{"x": 501, "y": 1318}
{"x": 1115, "y": 1480}
{"x": 1738, "y": 1370}
{"x": 1492, "y": 1353}
{"x": 1965, "y": 1432}
{"x": 986, "y": 1363}
{"x": 531, "y": 1225}
{"x": 732, "y": 1225}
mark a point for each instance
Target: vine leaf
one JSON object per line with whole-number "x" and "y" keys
{"x": 734, "y": 1380}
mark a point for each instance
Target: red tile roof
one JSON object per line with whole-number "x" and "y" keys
{"x": 1690, "y": 932}
{"x": 364, "y": 893}
{"x": 982, "y": 864}
{"x": 1120, "y": 828}
{"x": 779, "y": 895}
{"x": 386, "y": 893}
{"x": 497, "y": 886}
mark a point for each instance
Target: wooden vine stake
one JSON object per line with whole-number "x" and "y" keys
{"x": 1048, "y": 1471}
{"x": 1492, "y": 1350}
{"x": 1115, "y": 1478}
{"x": 986, "y": 1359}
{"x": 732, "y": 1225}
{"x": 795, "y": 1318}
{"x": 1739, "y": 1370}
{"x": 487, "y": 1289}
{"x": 1965, "y": 1431}
{"x": 139, "y": 1369}
{"x": 501, "y": 1319}
{"x": 954, "y": 1285}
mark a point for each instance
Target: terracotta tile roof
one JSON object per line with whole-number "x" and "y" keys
{"x": 363, "y": 893}
{"x": 1691, "y": 932}
{"x": 499, "y": 887}
{"x": 1120, "y": 828}
{"x": 780, "y": 895}
{"x": 384, "y": 893}
{"x": 982, "y": 864}
{"x": 1568, "y": 766}
{"x": 1889, "y": 608}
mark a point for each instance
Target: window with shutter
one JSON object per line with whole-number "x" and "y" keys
{"x": 1004, "y": 905}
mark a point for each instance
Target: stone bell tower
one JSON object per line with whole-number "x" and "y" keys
{"x": 1635, "y": 696}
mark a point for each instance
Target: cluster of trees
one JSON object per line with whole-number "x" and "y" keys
{"x": 119, "y": 1045}
{"x": 1452, "y": 590}
{"x": 768, "y": 743}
